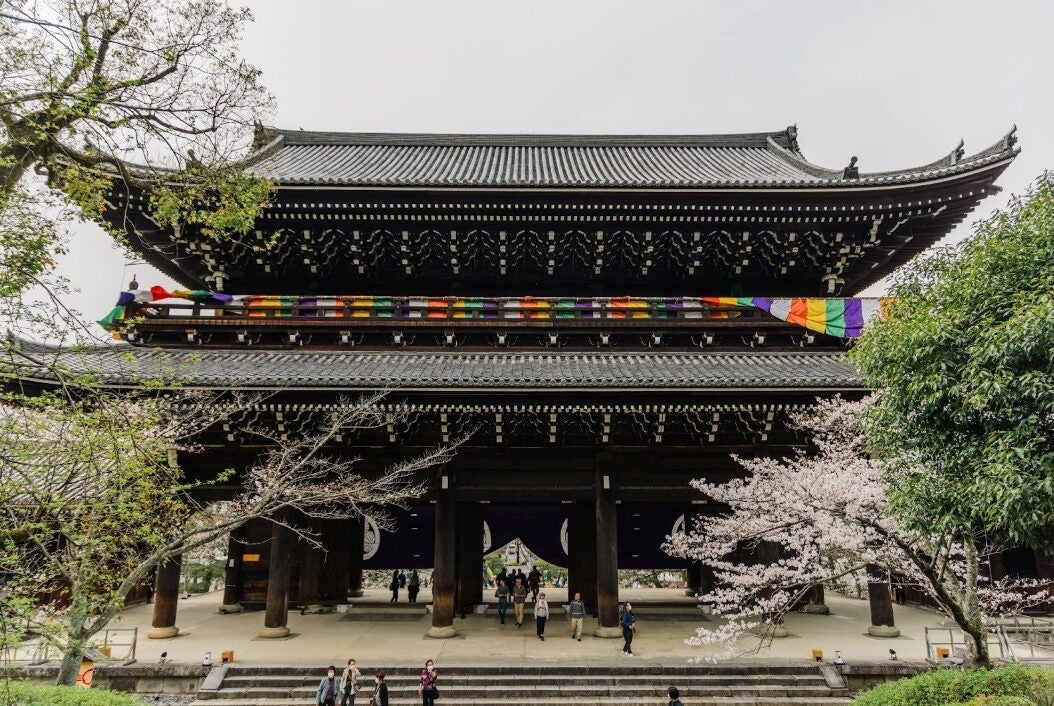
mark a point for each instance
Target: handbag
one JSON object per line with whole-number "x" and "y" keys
{"x": 435, "y": 693}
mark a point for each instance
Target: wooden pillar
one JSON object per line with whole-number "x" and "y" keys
{"x": 444, "y": 573}
{"x": 232, "y": 581}
{"x": 469, "y": 556}
{"x": 607, "y": 551}
{"x": 310, "y": 575}
{"x": 166, "y": 599}
{"x": 582, "y": 554}
{"x": 336, "y": 577}
{"x": 693, "y": 579}
{"x": 815, "y": 601}
{"x": 356, "y": 542}
{"x": 276, "y": 614}
{"x": 878, "y": 595}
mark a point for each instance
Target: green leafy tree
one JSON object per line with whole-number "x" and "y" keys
{"x": 964, "y": 362}
{"x": 90, "y": 88}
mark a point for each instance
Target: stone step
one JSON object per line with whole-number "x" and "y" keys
{"x": 514, "y": 680}
{"x": 622, "y": 668}
{"x": 531, "y": 693}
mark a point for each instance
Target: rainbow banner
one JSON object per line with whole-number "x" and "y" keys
{"x": 838, "y": 317}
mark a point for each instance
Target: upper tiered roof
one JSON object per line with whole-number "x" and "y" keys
{"x": 762, "y": 159}
{"x": 566, "y": 215}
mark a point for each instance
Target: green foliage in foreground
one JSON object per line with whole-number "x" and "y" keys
{"x": 1029, "y": 686}
{"x": 13, "y": 693}
{"x": 964, "y": 364}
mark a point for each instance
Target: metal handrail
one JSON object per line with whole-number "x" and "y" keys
{"x": 39, "y": 650}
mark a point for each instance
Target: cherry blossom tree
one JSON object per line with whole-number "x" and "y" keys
{"x": 92, "y": 499}
{"x": 825, "y": 515}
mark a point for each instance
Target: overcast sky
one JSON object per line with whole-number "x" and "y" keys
{"x": 896, "y": 83}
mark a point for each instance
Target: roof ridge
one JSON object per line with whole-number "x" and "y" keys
{"x": 321, "y": 137}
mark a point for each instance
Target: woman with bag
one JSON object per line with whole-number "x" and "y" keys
{"x": 541, "y": 612}
{"x": 380, "y": 691}
{"x": 349, "y": 683}
{"x": 429, "y": 692}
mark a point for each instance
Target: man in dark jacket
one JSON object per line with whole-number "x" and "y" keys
{"x": 675, "y": 696}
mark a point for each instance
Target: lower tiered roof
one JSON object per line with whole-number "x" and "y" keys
{"x": 127, "y": 366}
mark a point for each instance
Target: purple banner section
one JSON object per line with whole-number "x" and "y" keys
{"x": 642, "y": 529}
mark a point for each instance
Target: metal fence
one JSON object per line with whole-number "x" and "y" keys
{"x": 109, "y": 645}
{"x": 1016, "y": 639}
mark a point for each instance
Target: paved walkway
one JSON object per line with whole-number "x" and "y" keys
{"x": 388, "y": 635}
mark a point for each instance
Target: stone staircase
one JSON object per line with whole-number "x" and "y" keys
{"x": 544, "y": 685}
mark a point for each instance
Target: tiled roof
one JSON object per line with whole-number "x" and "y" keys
{"x": 296, "y": 157}
{"x": 122, "y": 365}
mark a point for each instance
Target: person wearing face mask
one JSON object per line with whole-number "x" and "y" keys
{"x": 328, "y": 688}
{"x": 349, "y": 683}
{"x": 380, "y": 691}
{"x": 429, "y": 677}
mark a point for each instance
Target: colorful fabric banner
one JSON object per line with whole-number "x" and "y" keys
{"x": 838, "y": 317}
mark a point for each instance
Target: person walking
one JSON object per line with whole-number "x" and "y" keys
{"x": 541, "y": 614}
{"x": 502, "y": 576}
{"x": 394, "y": 586}
{"x": 326, "y": 694}
{"x": 534, "y": 583}
{"x": 413, "y": 586}
{"x": 628, "y": 622}
{"x": 675, "y": 696}
{"x": 576, "y": 610}
{"x": 349, "y": 683}
{"x": 429, "y": 692}
{"x": 380, "y": 691}
{"x": 502, "y": 594}
{"x": 519, "y": 597}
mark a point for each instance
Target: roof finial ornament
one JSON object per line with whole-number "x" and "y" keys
{"x": 851, "y": 172}
{"x": 133, "y": 285}
{"x": 959, "y": 151}
{"x": 792, "y": 136}
{"x": 1011, "y": 137}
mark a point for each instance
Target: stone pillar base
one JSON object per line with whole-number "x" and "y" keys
{"x": 689, "y": 592}
{"x": 607, "y": 632}
{"x": 441, "y": 633}
{"x": 162, "y": 633}
{"x": 817, "y": 609}
{"x": 318, "y": 608}
{"x": 779, "y": 631}
{"x": 883, "y": 631}
{"x": 231, "y": 608}
{"x": 273, "y": 633}
{"x": 357, "y": 593}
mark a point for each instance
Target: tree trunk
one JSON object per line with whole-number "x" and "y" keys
{"x": 71, "y": 664}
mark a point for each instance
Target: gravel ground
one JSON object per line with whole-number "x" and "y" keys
{"x": 168, "y": 700}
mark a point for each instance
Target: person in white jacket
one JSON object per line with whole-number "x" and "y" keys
{"x": 541, "y": 612}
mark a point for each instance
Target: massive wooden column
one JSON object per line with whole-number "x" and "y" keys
{"x": 336, "y": 577}
{"x": 166, "y": 599}
{"x": 469, "y": 556}
{"x": 445, "y": 570}
{"x": 232, "y": 581}
{"x": 582, "y": 553}
{"x": 276, "y": 614}
{"x": 310, "y": 585}
{"x": 356, "y": 541}
{"x": 607, "y": 551}
{"x": 881, "y": 600}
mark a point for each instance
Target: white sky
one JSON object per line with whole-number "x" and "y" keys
{"x": 896, "y": 83}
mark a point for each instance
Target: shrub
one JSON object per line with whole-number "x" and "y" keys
{"x": 946, "y": 687}
{"x": 24, "y": 694}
